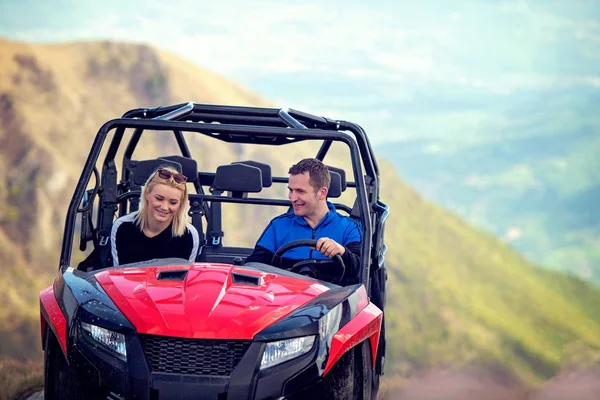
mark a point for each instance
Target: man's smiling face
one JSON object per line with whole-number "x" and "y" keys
{"x": 305, "y": 199}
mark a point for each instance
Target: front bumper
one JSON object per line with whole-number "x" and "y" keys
{"x": 136, "y": 378}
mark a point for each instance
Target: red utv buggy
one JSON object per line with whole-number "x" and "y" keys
{"x": 217, "y": 328}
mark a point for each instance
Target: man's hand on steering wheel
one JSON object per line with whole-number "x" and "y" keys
{"x": 329, "y": 247}
{"x": 326, "y": 245}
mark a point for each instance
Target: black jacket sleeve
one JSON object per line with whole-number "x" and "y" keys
{"x": 351, "y": 260}
{"x": 260, "y": 255}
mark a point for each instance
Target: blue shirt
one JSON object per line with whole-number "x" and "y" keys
{"x": 289, "y": 227}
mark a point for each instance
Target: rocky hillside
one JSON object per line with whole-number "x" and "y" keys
{"x": 53, "y": 99}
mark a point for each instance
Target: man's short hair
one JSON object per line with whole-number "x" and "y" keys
{"x": 319, "y": 176}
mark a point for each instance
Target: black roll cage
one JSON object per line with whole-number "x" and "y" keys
{"x": 232, "y": 124}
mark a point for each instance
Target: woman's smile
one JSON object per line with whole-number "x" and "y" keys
{"x": 165, "y": 201}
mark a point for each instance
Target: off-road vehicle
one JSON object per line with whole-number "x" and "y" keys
{"x": 218, "y": 328}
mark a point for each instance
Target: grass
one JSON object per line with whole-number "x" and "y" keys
{"x": 461, "y": 296}
{"x": 19, "y": 378}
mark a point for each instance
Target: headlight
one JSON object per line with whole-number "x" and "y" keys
{"x": 284, "y": 350}
{"x": 109, "y": 339}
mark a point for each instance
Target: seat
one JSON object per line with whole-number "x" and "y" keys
{"x": 265, "y": 169}
{"x": 342, "y": 175}
{"x": 238, "y": 179}
{"x": 189, "y": 166}
{"x": 335, "y": 187}
{"x": 138, "y": 172}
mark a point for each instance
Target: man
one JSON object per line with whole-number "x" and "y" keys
{"x": 313, "y": 217}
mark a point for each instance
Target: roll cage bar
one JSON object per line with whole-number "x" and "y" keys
{"x": 232, "y": 124}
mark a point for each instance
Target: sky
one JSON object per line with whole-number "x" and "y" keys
{"x": 401, "y": 69}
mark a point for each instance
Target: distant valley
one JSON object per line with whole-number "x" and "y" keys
{"x": 539, "y": 193}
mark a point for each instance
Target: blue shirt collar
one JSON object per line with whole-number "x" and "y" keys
{"x": 325, "y": 220}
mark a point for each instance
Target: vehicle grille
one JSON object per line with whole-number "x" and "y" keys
{"x": 193, "y": 356}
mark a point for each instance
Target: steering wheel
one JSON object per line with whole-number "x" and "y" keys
{"x": 309, "y": 267}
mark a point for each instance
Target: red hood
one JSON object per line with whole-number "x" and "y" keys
{"x": 206, "y": 303}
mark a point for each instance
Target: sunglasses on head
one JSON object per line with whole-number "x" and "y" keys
{"x": 166, "y": 174}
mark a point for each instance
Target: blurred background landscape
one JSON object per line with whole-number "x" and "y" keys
{"x": 484, "y": 116}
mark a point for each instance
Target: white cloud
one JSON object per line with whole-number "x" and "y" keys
{"x": 586, "y": 34}
{"x": 403, "y": 63}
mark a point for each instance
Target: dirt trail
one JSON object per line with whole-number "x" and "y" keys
{"x": 576, "y": 385}
{"x": 473, "y": 385}
{"x": 36, "y": 396}
{"x": 453, "y": 385}
{"x": 484, "y": 385}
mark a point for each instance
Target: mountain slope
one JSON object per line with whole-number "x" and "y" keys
{"x": 53, "y": 100}
{"x": 538, "y": 191}
{"x": 456, "y": 296}
{"x": 464, "y": 296}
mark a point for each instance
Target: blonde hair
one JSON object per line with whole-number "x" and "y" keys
{"x": 180, "y": 219}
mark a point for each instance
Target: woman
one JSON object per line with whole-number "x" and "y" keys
{"x": 160, "y": 228}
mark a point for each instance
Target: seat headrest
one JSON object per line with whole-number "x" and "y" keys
{"x": 342, "y": 174}
{"x": 189, "y": 166}
{"x": 238, "y": 178}
{"x": 267, "y": 179}
{"x": 335, "y": 188}
{"x": 140, "y": 170}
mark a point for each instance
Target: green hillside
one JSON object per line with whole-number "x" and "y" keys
{"x": 456, "y": 295}
{"x": 529, "y": 172}
{"x": 462, "y": 296}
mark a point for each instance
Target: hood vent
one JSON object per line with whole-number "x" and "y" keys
{"x": 245, "y": 279}
{"x": 172, "y": 275}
